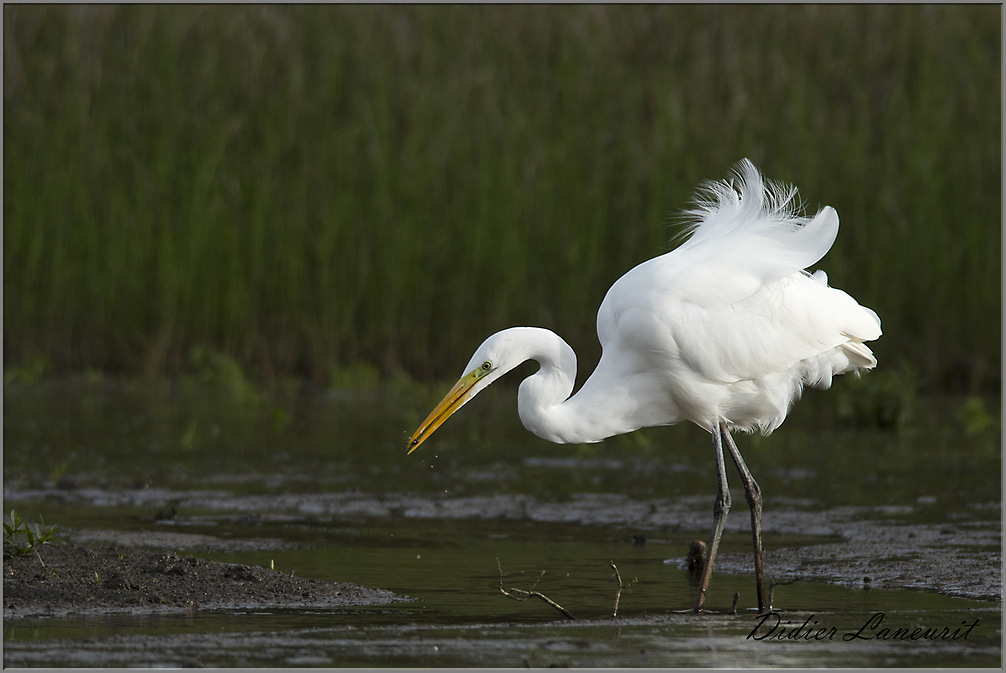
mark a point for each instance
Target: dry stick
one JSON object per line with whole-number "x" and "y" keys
{"x": 771, "y": 591}
{"x": 531, "y": 594}
{"x": 618, "y": 594}
{"x": 733, "y": 608}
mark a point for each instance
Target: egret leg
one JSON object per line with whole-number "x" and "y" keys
{"x": 752, "y": 493}
{"x": 720, "y": 510}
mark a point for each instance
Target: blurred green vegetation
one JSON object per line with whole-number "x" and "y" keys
{"x": 321, "y": 190}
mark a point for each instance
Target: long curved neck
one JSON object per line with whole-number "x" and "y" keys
{"x": 542, "y": 394}
{"x": 543, "y": 400}
{"x": 598, "y": 410}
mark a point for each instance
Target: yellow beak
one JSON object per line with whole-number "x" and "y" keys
{"x": 454, "y": 400}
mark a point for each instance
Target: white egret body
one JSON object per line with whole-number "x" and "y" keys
{"x": 723, "y": 331}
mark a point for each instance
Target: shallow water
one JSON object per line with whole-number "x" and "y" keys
{"x": 321, "y": 486}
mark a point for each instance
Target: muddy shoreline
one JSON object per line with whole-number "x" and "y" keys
{"x": 78, "y": 579}
{"x": 106, "y": 571}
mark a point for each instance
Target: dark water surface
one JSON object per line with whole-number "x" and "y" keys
{"x": 320, "y": 485}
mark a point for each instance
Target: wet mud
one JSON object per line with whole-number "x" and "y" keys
{"x": 963, "y": 560}
{"x": 116, "y": 570}
{"x": 130, "y": 572}
{"x": 70, "y": 578}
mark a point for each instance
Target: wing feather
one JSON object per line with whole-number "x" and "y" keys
{"x": 734, "y": 301}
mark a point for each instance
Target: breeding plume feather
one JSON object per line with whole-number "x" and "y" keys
{"x": 724, "y": 331}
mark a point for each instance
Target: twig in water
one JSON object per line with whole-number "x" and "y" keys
{"x": 531, "y": 593}
{"x": 733, "y": 608}
{"x": 618, "y": 594}
{"x": 772, "y": 591}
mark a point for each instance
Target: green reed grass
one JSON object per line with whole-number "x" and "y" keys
{"x": 307, "y": 188}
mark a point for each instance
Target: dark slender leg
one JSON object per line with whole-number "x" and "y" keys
{"x": 752, "y": 493}
{"x": 720, "y": 510}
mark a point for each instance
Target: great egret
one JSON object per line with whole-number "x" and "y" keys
{"x": 723, "y": 331}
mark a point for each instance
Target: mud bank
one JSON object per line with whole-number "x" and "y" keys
{"x": 71, "y": 578}
{"x": 847, "y": 545}
{"x": 962, "y": 560}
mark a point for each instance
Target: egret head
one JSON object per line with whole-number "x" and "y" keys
{"x": 495, "y": 357}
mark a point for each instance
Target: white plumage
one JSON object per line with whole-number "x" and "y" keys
{"x": 727, "y": 326}
{"x": 723, "y": 331}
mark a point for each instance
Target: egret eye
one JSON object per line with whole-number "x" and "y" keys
{"x": 486, "y": 366}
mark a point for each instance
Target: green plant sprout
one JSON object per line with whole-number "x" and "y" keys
{"x": 20, "y": 540}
